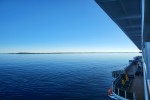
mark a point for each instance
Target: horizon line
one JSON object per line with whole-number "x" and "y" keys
{"x": 66, "y": 52}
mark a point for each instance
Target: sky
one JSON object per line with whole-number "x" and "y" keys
{"x": 59, "y": 26}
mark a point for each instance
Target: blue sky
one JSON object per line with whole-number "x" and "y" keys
{"x": 59, "y": 26}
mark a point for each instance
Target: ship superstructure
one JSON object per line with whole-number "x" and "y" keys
{"x": 133, "y": 17}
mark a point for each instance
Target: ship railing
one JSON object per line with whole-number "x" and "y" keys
{"x": 117, "y": 80}
{"x": 122, "y": 91}
{"x": 116, "y": 73}
{"x": 123, "y": 94}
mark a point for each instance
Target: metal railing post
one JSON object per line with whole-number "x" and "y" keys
{"x": 134, "y": 98}
{"x": 125, "y": 94}
{"x": 114, "y": 89}
{"x": 118, "y": 92}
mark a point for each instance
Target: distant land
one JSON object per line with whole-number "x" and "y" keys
{"x": 68, "y": 52}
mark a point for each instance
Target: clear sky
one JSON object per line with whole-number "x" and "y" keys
{"x": 58, "y": 26}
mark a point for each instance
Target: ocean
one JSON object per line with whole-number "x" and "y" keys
{"x": 59, "y": 76}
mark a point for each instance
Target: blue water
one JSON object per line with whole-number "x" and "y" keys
{"x": 59, "y": 76}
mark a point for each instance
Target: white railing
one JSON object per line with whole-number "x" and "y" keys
{"x": 123, "y": 94}
{"x": 145, "y": 83}
{"x": 116, "y": 91}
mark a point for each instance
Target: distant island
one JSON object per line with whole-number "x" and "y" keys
{"x": 69, "y": 52}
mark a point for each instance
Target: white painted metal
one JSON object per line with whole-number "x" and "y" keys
{"x": 145, "y": 82}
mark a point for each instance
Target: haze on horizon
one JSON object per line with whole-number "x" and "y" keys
{"x": 59, "y": 26}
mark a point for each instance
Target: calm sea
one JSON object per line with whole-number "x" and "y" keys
{"x": 59, "y": 76}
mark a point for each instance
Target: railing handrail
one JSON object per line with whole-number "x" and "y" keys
{"x": 125, "y": 92}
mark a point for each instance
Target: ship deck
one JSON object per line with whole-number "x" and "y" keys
{"x": 133, "y": 88}
{"x": 137, "y": 85}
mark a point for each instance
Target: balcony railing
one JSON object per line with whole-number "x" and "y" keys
{"x": 122, "y": 90}
{"x": 123, "y": 93}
